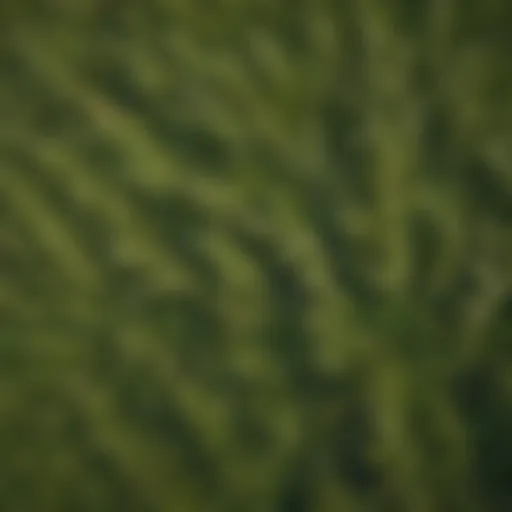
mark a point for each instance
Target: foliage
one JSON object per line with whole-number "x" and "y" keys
{"x": 256, "y": 256}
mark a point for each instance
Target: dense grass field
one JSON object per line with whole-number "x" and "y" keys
{"x": 256, "y": 256}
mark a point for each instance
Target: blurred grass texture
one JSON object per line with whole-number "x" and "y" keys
{"x": 256, "y": 256}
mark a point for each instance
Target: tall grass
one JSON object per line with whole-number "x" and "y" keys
{"x": 255, "y": 256}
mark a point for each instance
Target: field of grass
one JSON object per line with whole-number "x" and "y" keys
{"x": 256, "y": 256}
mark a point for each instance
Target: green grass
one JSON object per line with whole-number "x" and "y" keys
{"x": 255, "y": 256}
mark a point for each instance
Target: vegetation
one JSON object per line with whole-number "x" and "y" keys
{"x": 256, "y": 256}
